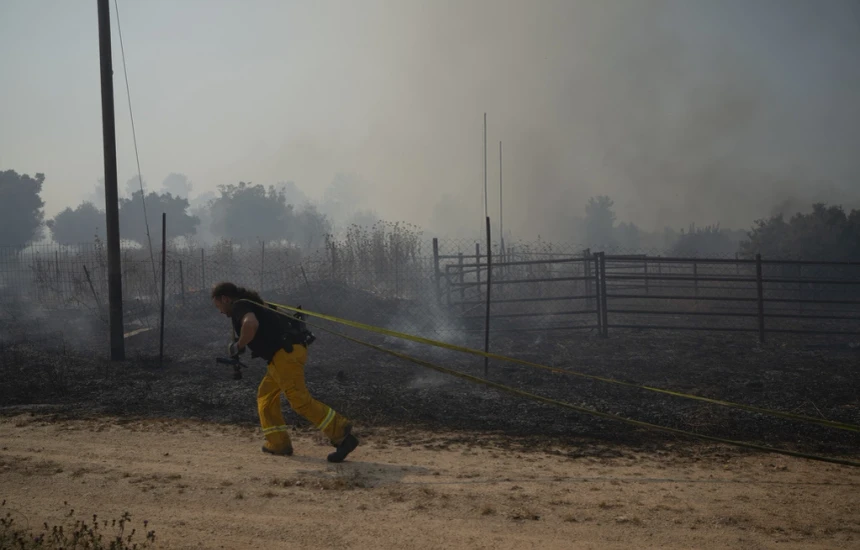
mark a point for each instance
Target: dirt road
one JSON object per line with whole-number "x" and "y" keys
{"x": 208, "y": 486}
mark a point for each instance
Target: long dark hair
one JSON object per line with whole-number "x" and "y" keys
{"x": 235, "y": 292}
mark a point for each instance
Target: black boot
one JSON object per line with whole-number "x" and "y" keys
{"x": 349, "y": 443}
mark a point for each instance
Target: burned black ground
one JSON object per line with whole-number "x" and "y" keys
{"x": 818, "y": 378}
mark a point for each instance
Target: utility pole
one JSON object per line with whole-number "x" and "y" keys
{"x": 117, "y": 343}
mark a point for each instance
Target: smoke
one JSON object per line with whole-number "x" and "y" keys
{"x": 681, "y": 111}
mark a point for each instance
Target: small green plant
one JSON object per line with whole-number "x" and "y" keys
{"x": 98, "y": 535}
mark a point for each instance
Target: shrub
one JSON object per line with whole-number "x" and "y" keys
{"x": 98, "y": 535}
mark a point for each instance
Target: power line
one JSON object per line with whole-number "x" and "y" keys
{"x": 136, "y": 155}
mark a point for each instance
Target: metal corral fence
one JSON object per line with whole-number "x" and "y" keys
{"x": 600, "y": 291}
{"x": 762, "y": 296}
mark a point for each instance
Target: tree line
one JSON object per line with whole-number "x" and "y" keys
{"x": 247, "y": 211}
{"x": 826, "y": 233}
{"x": 240, "y": 212}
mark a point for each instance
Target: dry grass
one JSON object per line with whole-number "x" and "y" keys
{"x": 95, "y": 535}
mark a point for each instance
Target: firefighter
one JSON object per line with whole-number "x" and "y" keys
{"x": 268, "y": 334}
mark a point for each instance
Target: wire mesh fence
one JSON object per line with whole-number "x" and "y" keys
{"x": 439, "y": 288}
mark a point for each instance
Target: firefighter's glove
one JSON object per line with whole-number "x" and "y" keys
{"x": 233, "y": 350}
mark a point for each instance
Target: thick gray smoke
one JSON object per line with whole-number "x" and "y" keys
{"x": 682, "y": 111}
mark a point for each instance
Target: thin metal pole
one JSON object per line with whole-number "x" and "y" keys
{"x": 436, "y": 272}
{"x": 588, "y": 302}
{"x": 485, "y": 165}
{"x": 487, "y": 320}
{"x": 760, "y": 288}
{"x": 478, "y": 269}
{"x": 117, "y": 342}
{"x": 203, "y": 269}
{"x": 163, "y": 278}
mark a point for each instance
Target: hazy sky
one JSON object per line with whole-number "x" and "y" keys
{"x": 682, "y": 111}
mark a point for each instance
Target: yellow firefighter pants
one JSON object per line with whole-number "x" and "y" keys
{"x": 285, "y": 373}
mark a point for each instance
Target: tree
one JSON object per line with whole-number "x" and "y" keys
{"x": 246, "y": 212}
{"x": 825, "y": 234}
{"x": 131, "y": 220}
{"x": 21, "y": 207}
{"x": 80, "y": 225}
{"x": 600, "y": 221}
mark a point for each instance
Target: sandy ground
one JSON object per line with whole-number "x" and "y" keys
{"x": 208, "y": 486}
